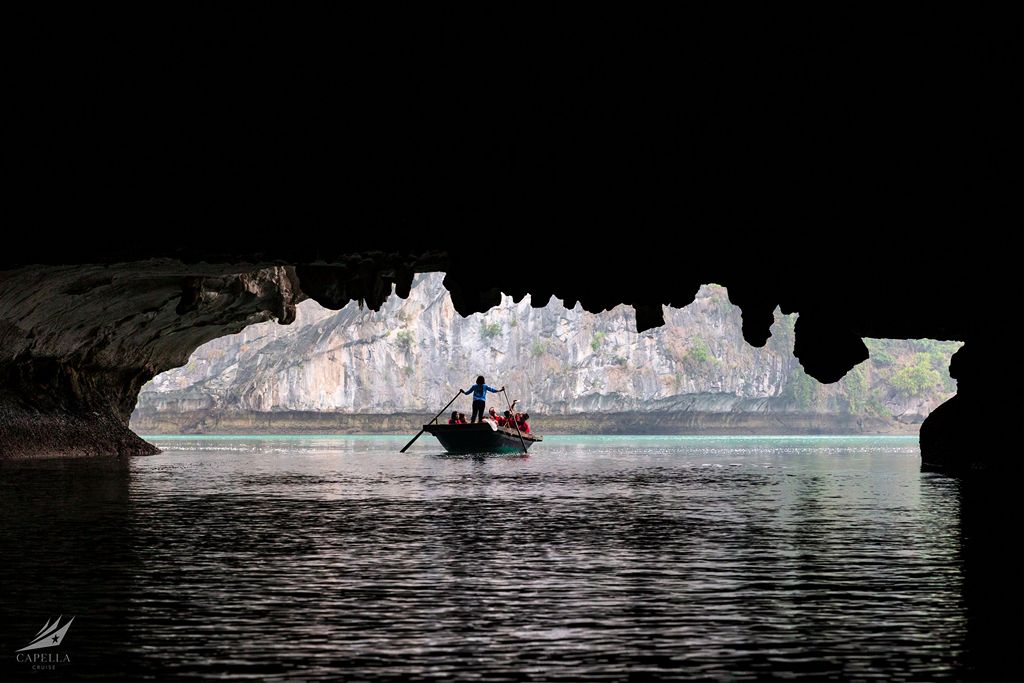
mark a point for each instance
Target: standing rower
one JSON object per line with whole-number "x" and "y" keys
{"x": 479, "y": 392}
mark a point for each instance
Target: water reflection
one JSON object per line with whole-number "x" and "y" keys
{"x": 67, "y": 549}
{"x": 590, "y": 558}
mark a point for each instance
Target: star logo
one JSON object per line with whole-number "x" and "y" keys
{"x": 49, "y": 635}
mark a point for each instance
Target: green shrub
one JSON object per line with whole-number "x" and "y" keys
{"x": 490, "y": 330}
{"x": 880, "y": 352}
{"x": 916, "y": 379}
{"x": 698, "y": 354}
{"x": 595, "y": 343}
{"x": 404, "y": 339}
{"x": 882, "y": 359}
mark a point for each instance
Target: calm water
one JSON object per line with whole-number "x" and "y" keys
{"x": 595, "y": 557}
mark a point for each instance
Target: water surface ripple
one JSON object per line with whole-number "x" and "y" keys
{"x": 596, "y": 558}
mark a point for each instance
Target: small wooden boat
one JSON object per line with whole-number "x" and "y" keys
{"x": 481, "y": 437}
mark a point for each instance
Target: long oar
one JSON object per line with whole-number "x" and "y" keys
{"x": 513, "y": 418}
{"x": 435, "y": 417}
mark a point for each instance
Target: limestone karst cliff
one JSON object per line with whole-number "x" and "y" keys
{"x": 415, "y": 353}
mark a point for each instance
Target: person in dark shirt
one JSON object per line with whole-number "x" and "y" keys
{"x": 479, "y": 393}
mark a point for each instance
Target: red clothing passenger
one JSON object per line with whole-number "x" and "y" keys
{"x": 521, "y": 420}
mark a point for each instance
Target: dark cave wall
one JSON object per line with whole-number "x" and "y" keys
{"x": 78, "y": 342}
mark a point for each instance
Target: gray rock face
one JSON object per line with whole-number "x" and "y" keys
{"x": 415, "y": 353}
{"x": 77, "y": 343}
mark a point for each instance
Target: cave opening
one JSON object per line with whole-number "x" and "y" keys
{"x": 356, "y": 370}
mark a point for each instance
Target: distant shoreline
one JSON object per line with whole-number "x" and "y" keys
{"x": 635, "y": 423}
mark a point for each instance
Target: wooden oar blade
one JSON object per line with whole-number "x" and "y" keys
{"x": 411, "y": 442}
{"x": 432, "y": 420}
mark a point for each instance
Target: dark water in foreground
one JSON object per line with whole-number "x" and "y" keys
{"x": 600, "y": 557}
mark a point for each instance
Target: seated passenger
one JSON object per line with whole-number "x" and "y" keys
{"x": 454, "y": 420}
{"x": 524, "y": 426}
{"x": 462, "y": 419}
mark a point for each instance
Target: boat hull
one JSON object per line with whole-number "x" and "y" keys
{"x": 481, "y": 437}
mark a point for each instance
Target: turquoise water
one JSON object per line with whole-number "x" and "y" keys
{"x": 326, "y": 557}
{"x": 877, "y": 441}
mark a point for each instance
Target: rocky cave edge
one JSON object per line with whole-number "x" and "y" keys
{"x": 78, "y": 340}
